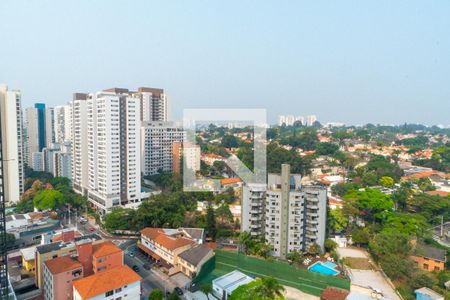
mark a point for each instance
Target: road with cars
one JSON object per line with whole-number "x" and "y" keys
{"x": 134, "y": 258}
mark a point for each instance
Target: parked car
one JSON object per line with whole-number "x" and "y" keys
{"x": 178, "y": 291}
{"x": 136, "y": 269}
{"x": 147, "y": 266}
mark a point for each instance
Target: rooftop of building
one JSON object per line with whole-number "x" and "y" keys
{"x": 430, "y": 293}
{"x": 42, "y": 249}
{"x": 427, "y": 251}
{"x": 105, "y": 281}
{"x": 231, "y": 281}
{"x": 62, "y": 264}
{"x": 196, "y": 254}
{"x": 334, "y": 294}
{"x": 28, "y": 253}
{"x": 104, "y": 249}
{"x": 166, "y": 238}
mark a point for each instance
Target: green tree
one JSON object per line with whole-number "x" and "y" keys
{"x": 211, "y": 227}
{"x": 270, "y": 288}
{"x": 391, "y": 249}
{"x": 173, "y": 296}
{"x": 337, "y": 221}
{"x": 329, "y": 245}
{"x": 260, "y": 289}
{"x": 313, "y": 249}
{"x": 156, "y": 294}
{"x": 413, "y": 225}
{"x": 386, "y": 181}
{"x": 206, "y": 289}
{"x": 120, "y": 219}
{"x": 48, "y": 199}
{"x": 326, "y": 148}
{"x": 360, "y": 236}
{"x": 425, "y": 184}
{"x": 230, "y": 141}
{"x": 371, "y": 204}
{"x": 224, "y": 215}
{"x": 296, "y": 257}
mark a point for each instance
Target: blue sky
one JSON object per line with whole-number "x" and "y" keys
{"x": 347, "y": 61}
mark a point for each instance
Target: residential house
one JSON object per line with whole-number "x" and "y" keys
{"x": 115, "y": 283}
{"x": 171, "y": 248}
{"x": 429, "y": 258}
{"x": 193, "y": 259}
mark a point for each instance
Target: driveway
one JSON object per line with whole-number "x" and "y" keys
{"x": 368, "y": 279}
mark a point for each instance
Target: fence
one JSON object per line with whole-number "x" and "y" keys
{"x": 304, "y": 280}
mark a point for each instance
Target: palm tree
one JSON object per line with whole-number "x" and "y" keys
{"x": 206, "y": 289}
{"x": 244, "y": 238}
{"x": 270, "y": 288}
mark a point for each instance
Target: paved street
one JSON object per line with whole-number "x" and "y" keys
{"x": 152, "y": 279}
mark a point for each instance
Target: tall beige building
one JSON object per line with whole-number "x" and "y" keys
{"x": 12, "y": 141}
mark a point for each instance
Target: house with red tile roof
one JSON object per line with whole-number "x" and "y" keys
{"x": 115, "y": 283}
{"x": 166, "y": 246}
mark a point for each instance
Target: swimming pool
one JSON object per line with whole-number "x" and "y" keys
{"x": 329, "y": 264}
{"x": 324, "y": 268}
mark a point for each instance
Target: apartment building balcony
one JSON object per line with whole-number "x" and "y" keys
{"x": 312, "y": 199}
{"x": 254, "y": 218}
{"x": 312, "y": 221}
{"x": 313, "y": 237}
{"x": 255, "y": 226}
{"x": 313, "y": 214}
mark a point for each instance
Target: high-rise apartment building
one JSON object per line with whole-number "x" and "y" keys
{"x": 80, "y": 177}
{"x": 294, "y": 216}
{"x": 41, "y": 127}
{"x": 106, "y": 146}
{"x": 63, "y": 123}
{"x": 158, "y": 139}
{"x": 49, "y": 126}
{"x": 310, "y": 120}
{"x": 12, "y": 138}
{"x": 154, "y": 104}
{"x": 31, "y": 133}
{"x": 187, "y": 154}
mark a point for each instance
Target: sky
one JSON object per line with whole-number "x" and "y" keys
{"x": 356, "y": 62}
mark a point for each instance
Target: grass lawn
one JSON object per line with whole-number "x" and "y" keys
{"x": 358, "y": 263}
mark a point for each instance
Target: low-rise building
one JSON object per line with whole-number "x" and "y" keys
{"x": 115, "y": 283}
{"x": 429, "y": 258}
{"x": 80, "y": 248}
{"x": 226, "y": 284}
{"x": 28, "y": 255}
{"x": 106, "y": 255}
{"x": 192, "y": 260}
{"x": 168, "y": 245}
{"x": 427, "y": 294}
{"x": 59, "y": 274}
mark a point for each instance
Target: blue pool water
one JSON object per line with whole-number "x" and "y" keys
{"x": 323, "y": 269}
{"x": 329, "y": 264}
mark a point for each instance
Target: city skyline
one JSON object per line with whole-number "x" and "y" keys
{"x": 384, "y": 68}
